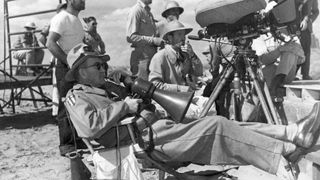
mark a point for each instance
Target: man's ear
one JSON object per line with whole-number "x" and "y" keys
{"x": 82, "y": 73}
{"x": 169, "y": 38}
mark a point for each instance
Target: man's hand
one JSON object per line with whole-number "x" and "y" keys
{"x": 304, "y": 24}
{"x": 191, "y": 83}
{"x": 133, "y": 104}
{"x": 188, "y": 49}
{"x": 158, "y": 41}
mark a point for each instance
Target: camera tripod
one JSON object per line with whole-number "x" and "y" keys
{"x": 247, "y": 77}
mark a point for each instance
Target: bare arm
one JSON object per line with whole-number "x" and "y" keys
{"x": 102, "y": 47}
{"x": 54, "y": 48}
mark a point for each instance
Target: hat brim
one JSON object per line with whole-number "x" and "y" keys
{"x": 164, "y": 13}
{"x": 186, "y": 29}
{"x": 70, "y": 74}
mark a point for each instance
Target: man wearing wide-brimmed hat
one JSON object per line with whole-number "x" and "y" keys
{"x": 172, "y": 12}
{"x": 209, "y": 140}
{"x": 173, "y": 67}
{"x": 32, "y": 55}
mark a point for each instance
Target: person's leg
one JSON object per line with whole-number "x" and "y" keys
{"x": 287, "y": 64}
{"x": 39, "y": 54}
{"x": 65, "y": 132}
{"x": 30, "y": 57}
{"x": 215, "y": 140}
{"x": 279, "y": 132}
{"x": 143, "y": 71}
{"x": 38, "y": 58}
{"x": 20, "y": 56}
{"x": 30, "y": 60}
{"x": 306, "y": 45}
{"x": 134, "y": 62}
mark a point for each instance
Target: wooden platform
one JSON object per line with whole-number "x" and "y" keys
{"x": 7, "y": 82}
{"x": 299, "y": 100}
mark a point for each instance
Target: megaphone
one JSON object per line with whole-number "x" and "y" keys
{"x": 175, "y": 103}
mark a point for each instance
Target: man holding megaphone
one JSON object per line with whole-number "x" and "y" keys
{"x": 209, "y": 140}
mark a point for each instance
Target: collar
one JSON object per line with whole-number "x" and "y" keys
{"x": 143, "y": 5}
{"x": 171, "y": 54}
{"x": 89, "y": 89}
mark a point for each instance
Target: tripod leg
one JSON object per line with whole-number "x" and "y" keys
{"x": 216, "y": 90}
{"x": 260, "y": 94}
{"x": 274, "y": 113}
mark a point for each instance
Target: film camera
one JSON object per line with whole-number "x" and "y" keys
{"x": 241, "y": 19}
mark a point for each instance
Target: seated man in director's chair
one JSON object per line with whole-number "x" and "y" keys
{"x": 209, "y": 140}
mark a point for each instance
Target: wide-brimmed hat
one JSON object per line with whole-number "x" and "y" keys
{"x": 174, "y": 26}
{"x": 172, "y": 5}
{"x": 30, "y": 25}
{"x": 78, "y": 55}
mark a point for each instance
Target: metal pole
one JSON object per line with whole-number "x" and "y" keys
{"x": 10, "y": 58}
{"x": 34, "y": 13}
{"x": 216, "y": 90}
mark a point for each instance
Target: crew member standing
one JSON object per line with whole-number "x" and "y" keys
{"x": 309, "y": 13}
{"x": 66, "y": 31}
{"x": 141, "y": 33}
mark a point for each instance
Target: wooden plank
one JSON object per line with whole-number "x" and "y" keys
{"x": 304, "y": 84}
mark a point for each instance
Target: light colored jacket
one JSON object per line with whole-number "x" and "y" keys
{"x": 167, "y": 73}
{"x": 91, "y": 112}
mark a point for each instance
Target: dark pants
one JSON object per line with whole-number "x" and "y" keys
{"x": 305, "y": 41}
{"x": 65, "y": 132}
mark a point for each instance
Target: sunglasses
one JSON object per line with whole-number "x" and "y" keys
{"x": 98, "y": 65}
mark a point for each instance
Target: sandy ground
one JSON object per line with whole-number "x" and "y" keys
{"x": 29, "y": 145}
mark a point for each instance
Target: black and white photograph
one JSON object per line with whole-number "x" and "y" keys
{"x": 159, "y": 90}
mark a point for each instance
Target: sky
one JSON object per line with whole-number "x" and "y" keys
{"x": 111, "y": 16}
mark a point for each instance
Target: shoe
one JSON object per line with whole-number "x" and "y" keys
{"x": 284, "y": 172}
{"x": 296, "y": 79}
{"x": 308, "y": 129}
{"x": 306, "y": 77}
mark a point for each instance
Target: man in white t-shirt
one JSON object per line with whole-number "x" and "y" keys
{"x": 66, "y": 31}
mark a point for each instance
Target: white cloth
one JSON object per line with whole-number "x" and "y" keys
{"x": 106, "y": 165}
{"x": 70, "y": 29}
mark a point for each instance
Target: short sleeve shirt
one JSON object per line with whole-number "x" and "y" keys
{"x": 70, "y": 29}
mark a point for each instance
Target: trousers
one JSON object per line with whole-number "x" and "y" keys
{"x": 291, "y": 56}
{"x": 213, "y": 140}
{"x": 140, "y": 60}
{"x": 305, "y": 40}
{"x": 67, "y": 143}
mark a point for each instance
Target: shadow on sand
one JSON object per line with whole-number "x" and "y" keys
{"x": 26, "y": 120}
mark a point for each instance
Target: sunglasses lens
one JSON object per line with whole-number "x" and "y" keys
{"x": 102, "y": 65}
